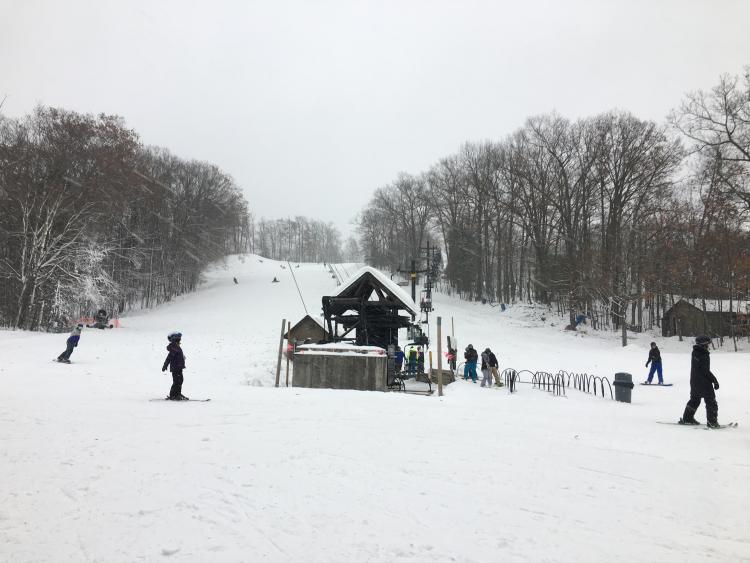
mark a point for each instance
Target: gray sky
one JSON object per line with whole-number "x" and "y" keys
{"x": 311, "y": 105}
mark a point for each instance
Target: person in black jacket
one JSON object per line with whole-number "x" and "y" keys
{"x": 654, "y": 358}
{"x": 471, "y": 357}
{"x": 703, "y": 384}
{"x": 176, "y": 362}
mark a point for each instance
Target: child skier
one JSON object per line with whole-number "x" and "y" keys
{"x": 176, "y": 362}
{"x": 654, "y": 358}
{"x": 703, "y": 384}
{"x": 72, "y": 342}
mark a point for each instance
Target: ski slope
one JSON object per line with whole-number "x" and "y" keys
{"x": 91, "y": 470}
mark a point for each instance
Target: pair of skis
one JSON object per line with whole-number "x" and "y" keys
{"x": 702, "y": 426}
{"x": 183, "y": 400}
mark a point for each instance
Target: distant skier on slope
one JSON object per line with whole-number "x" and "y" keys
{"x": 703, "y": 384}
{"x": 654, "y": 358}
{"x": 71, "y": 342}
{"x": 176, "y": 362}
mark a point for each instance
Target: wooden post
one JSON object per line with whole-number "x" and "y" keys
{"x": 288, "y": 328}
{"x": 440, "y": 356}
{"x": 281, "y": 348}
{"x": 429, "y": 373}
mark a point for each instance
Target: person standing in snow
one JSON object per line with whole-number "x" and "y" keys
{"x": 71, "y": 342}
{"x": 399, "y": 359}
{"x": 471, "y": 357}
{"x": 412, "y": 357}
{"x": 654, "y": 358}
{"x": 493, "y": 368}
{"x": 486, "y": 377}
{"x": 420, "y": 360}
{"x": 703, "y": 385}
{"x": 176, "y": 362}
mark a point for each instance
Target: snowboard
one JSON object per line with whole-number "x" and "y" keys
{"x": 657, "y": 385}
{"x": 183, "y": 401}
{"x": 60, "y": 361}
{"x": 703, "y": 426}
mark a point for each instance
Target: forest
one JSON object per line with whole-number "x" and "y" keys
{"x": 611, "y": 216}
{"x": 91, "y": 218}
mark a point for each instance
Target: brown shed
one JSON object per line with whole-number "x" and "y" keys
{"x": 307, "y": 327}
{"x": 688, "y": 320}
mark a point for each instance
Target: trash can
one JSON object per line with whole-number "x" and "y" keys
{"x": 623, "y": 387}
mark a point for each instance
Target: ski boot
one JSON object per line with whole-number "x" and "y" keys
{"x": 689, "y": 421}
{"x": 184, "y": 398}
{"x": 713, "y": 424}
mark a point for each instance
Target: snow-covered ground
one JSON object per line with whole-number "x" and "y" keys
{"x": 91, "y": 470}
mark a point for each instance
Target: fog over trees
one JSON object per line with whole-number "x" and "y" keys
{"x": 611, "y": 215}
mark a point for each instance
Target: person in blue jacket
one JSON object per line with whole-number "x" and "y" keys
{"x": 72, "y": 342}
{"x": 399, "y": 359}
{"x": 176, "y": 362}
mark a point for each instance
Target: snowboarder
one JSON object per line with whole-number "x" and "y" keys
{"x": 176, "y": 362}
{"x": 654, "y": 358}
{"x": 486, "y": 377}
{"x": 71, "y": 342}
{"x": 471, "y": 357}
{"x": 703, "y": 385}
{"x": 399, "y": 359}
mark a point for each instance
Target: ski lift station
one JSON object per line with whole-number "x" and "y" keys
{"x": 361, "y": 320}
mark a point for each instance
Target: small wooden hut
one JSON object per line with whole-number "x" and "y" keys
{"x": 688, "y": 320}
{"x": 307, "y": 328}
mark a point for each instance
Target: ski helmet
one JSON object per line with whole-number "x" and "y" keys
{"x": 703, "y": 340}
{"x": 174, "y": 336}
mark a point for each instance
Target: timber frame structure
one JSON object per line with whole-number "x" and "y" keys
{"x": 369, "y": 305}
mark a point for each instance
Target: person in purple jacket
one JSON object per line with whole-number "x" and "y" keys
{"x": 72, "y": 342}
{"x": 176, "y": 363}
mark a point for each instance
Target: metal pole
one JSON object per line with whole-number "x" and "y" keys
{"x": 281, "y": 347}
{"x": 440, "y": 356}
{"x": 288, "y": 328}
{"x": 413, "y": 274}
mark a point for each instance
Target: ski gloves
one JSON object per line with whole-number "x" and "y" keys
{"x": 716, "y": 384}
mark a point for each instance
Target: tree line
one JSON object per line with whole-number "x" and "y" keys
{"x": 611, "y": 215}
{"x": 90, "y": 217}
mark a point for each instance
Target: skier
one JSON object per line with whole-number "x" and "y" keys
{"x": 399, "y": 359}
{"x": 235, "y": 281}
{"x": 654, "y": 358}
{"x": 471, "y": 357}
{"x": 420, "y": 360}
{"x": 176, "y": 362}
{"x": 486, "y": 377}
{"x": 71, "y": 342}
{"x": 703, "y": 384}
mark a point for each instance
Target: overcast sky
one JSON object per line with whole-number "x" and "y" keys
{"x": 312, "y": 105}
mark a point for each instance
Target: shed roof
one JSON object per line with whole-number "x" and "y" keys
{"x": 389, "y": 286}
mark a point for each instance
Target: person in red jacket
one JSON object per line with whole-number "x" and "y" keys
{"x": 176, "y": 362}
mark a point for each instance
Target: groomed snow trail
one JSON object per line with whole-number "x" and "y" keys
{"x": 93, "y": 471}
